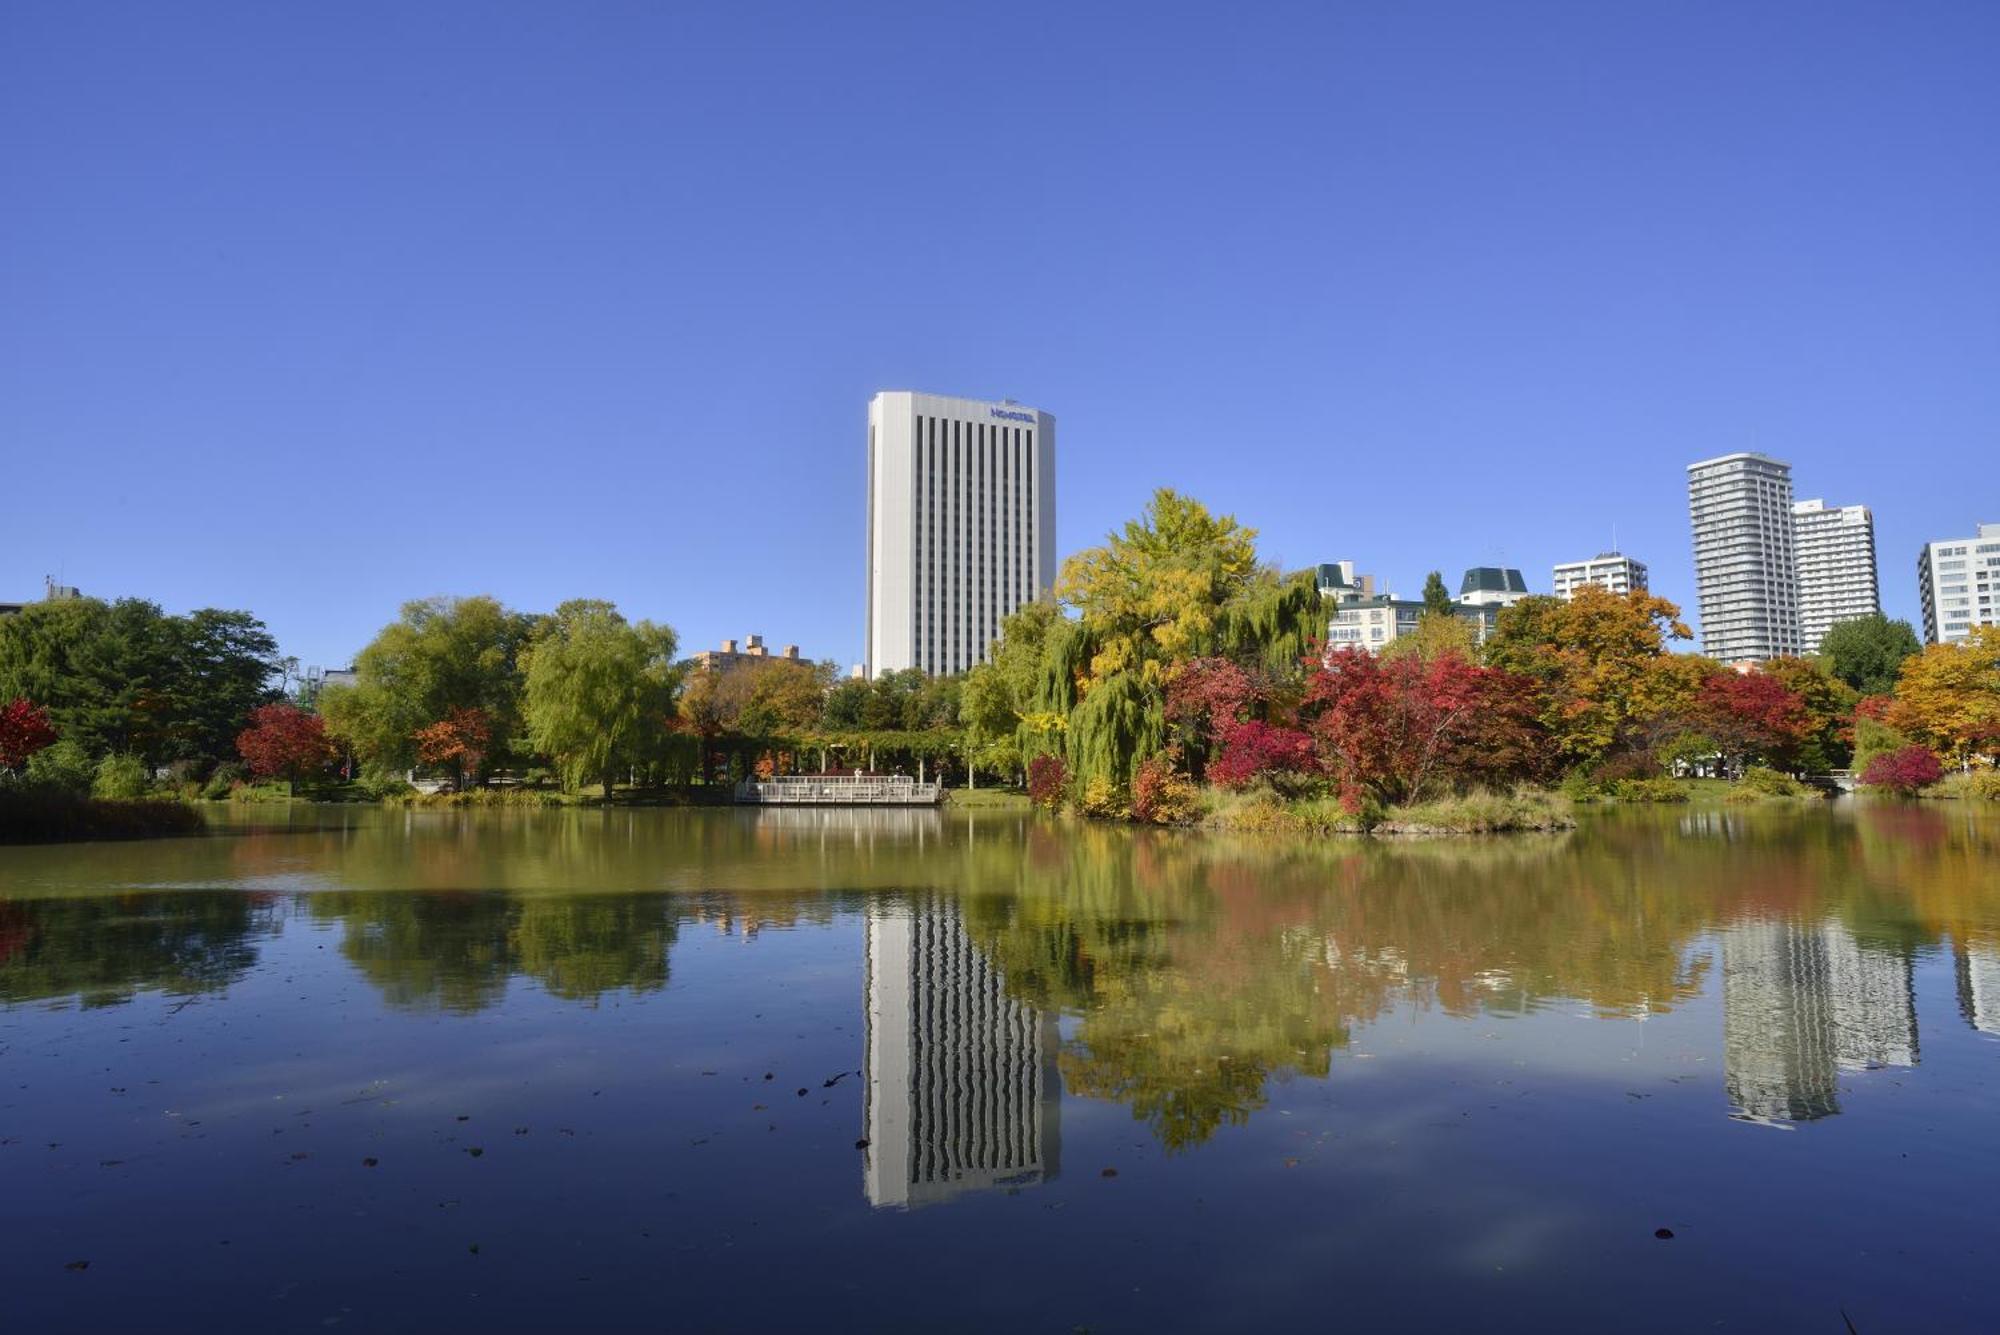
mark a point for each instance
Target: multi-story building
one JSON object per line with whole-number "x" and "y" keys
{"x": 52, "y": 592}
{"x": 962, "y": 1088}
{"x": 1833, "y": 553}
{"x": 1740, "y": 507}
{"x": 1614, "y": 570}
{"x": 1362, "y": 618}
{"x": 752, "y": 651}
{"x": 1958, "y": 580}
{"x": 961, "y": 525}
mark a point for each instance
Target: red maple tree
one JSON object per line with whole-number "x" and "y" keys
{"x": 284, "y": 739}
{"x": 24, "y": 730}
{"x": 1905, "y": 770}
{"x": 1393, "y": 729}
{"x": 459, "y": 739}
{"x": 1752, "y": 716}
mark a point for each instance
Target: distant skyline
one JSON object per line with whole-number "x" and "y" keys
{"x": 313, "y": 312}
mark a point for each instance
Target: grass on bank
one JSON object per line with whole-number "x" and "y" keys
{"x": 1521, "y": 810}
{"x": 1980, "y": 785}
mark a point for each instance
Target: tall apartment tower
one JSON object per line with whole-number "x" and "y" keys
{"x": 961, "y": 525}
{"x": 1958, "y": 580}
{"x": 1614, "y": 570}
{"x": 1745, "y": 573}
{"x": 1833, "y": 551}
{"x": 962, "y": 1088}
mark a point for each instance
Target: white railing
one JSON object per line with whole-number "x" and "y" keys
{"x": 840, "y": 790}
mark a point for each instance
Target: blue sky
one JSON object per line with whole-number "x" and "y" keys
{"x": 315, "y": 309}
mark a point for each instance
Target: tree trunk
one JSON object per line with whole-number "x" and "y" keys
{"x": 610, "y": 780}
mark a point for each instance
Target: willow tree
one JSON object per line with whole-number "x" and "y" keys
{"x": 1176, "y": 584}
{"x": 600, "y": 690}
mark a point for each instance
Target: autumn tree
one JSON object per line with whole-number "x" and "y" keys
{"x": 1826, "y": 728}
{"x": 461, "y": 739}
{"x": 1593, "y": 658}
{"x": 1393, "y": 731}
{"x": 1174, "y": 585}
{"x": 1867, "y": 652}
{"x": 1754, "y": 717}
{"x": 24, "y": 730}
{"x": 1437, "y": 635}
{"x": 599, "y": 690}
{"x": 283, "y": 739}
{"x": 1151, "y": 595}
{"x": 1949, "y": 696}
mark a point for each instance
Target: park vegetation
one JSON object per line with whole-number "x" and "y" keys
{"x": 1181, "y": 681}
{"x": 1174, "y": 678}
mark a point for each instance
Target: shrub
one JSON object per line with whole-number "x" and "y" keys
{"x": 1162, "y": 796}
{"x": 1759, "y": 781}
{"x": 1659, "y": 789}
{"x": 223, "y": 778}
{"x": 1102, "y": 800}
{"x": 384, "y": 788}
{"x": 1981, "y": 785}
{"x": 61, "y": 768}
{"x": 119, "y": 778}
{"x": 1904, "y": 771}
{"x": 1047, "y": 778}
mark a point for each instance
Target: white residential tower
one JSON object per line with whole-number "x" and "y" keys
{"x": 1834, "y": 554}
{"x": 1740, "y": 506}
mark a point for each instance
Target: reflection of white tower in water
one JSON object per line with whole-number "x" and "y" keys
{"x": 1799, "y": 1005}
{"x": 1978, "y": 969}
{"x": 962, "y": 1089}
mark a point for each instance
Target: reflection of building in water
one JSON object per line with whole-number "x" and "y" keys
{"x": 1979, "y": 986}
{"x": 962, "y": 1087}
{"x": 1799, "y": 1005}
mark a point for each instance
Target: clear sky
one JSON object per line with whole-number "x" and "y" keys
{"x": 314, "y": 309}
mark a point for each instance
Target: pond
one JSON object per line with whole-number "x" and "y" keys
{"x": 1683, "y": 1068}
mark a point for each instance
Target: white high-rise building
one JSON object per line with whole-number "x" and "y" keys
{"x": 1614, "y": 570}
{"x": 1833, "y": 549}
{"x": 961, "y": 525}
{"x": 1958, "y": 580}
{"x": 1740, "y": 506}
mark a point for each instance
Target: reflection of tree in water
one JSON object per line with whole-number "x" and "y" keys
{"x": 457, "y": 951}
{"x": 104, "y": 951}
{"x": 1200, "y": 968}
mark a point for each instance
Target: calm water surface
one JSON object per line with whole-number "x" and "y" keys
{"x": 659, "y": 1070}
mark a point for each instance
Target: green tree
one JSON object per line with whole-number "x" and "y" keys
{"x": 1868, "y": 652}
{"x": 126, "y": 677}
{"x": 598, "y": 687}
{"x": 441, "y": 654}
{"x": 1437, "y": 598}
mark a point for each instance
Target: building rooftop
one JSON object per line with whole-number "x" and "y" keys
{"x": 1492, "y": 579}
{"x": 1739, "y": 454}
